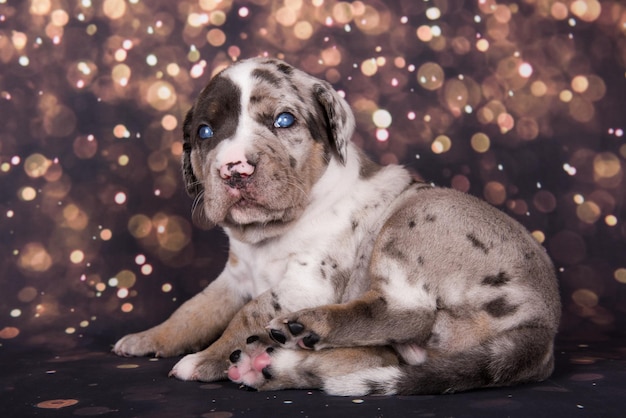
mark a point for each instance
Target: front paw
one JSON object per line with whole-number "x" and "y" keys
{"x": 199, "y": 366}
{"x": 187, "y": 367}
{"x": 295, "y": 331}
{"x": 141, "y": 344}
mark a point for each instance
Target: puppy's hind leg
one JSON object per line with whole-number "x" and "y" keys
{"x": 520, "y": 355}
{"x": 279, "y": 368}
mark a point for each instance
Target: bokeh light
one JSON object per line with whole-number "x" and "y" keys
{"x": 430, "y": 76}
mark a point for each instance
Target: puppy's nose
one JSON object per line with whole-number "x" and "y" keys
{"x": 240, "y": 169}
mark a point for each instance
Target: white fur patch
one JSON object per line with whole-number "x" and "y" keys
{"x": 185, "y": 369}
{"x": 285, "y": 362}
{"x": 411, "y": 353}
{"x": 400, "y": 292}
{"x": 235, "y": 149}
{"x": 360, "y": 383}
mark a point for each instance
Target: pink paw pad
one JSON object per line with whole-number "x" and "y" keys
{"x": 250, "y": 370}
{"x": 261, "y": 361}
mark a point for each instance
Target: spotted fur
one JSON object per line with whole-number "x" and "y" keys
{"x": 342, "y": 274}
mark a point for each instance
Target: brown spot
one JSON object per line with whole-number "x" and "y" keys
{"x": 285, "y": 69}
{"x": 315, "y": 163}
{"x": 476, "y": 243}
{"x": 380, "y": 279}
{"x": 232, "y": 259}
{"x": 499, "y": 307}
{"x": 275, "y": 303}
{"x": 267, "y": 76}
{"x": 368, "y": 168}
{"x": 323, "y": 273}
{"x": 340, "y": 279}
{"x": 391, "y": 249}
{"x": 496, "y": 281}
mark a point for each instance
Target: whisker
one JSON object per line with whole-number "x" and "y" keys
{"x": 299, "y": 185}
{"x": 196, "y": 207}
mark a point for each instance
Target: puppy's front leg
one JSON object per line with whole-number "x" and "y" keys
{"x": 192, "y": 327}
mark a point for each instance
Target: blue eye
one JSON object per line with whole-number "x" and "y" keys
{"x": 205, "y": 132}
{"x": 284, "y": 120}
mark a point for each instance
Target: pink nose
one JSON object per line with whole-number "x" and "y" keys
{"x": 241, "y": 169}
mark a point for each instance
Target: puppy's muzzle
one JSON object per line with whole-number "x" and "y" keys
{"x": 237, "y": 174}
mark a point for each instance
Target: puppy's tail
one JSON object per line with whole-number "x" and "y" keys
{"x": 523, "y": 356}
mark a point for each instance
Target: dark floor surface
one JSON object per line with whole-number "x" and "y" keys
{"x": 589, "y": 381}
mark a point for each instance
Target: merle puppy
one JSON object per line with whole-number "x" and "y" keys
{"x": 344, "y": 275}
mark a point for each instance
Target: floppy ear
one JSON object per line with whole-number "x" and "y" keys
{"x": 339, "y": 118}
{"x": 194, "y": 187}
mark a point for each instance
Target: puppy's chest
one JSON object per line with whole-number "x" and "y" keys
{"x": 326, "y": 253}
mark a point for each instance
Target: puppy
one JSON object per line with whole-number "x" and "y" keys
{"x": 344, "y": 275}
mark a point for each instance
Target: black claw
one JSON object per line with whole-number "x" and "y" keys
{"x": 235, "y": 356}
{"x": 266, "y": 373}
{"x": 295, "y": 328}
{"x": 278, "y": 336}
{"x": 310, "y": 340}
{"x": 252, "y": 339}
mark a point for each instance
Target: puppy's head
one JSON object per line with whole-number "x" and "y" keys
{"x": 256, "y": 140}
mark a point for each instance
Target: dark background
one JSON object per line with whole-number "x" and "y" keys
{"x": 521, "y": 103}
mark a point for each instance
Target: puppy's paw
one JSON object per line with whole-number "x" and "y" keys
{"x": 251, "y": 366}
{"x": 296, "y": 330}
{"x": 187, "y": 367}
{"x": 140, "y": 344}
{"x": 199, "y": 366}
